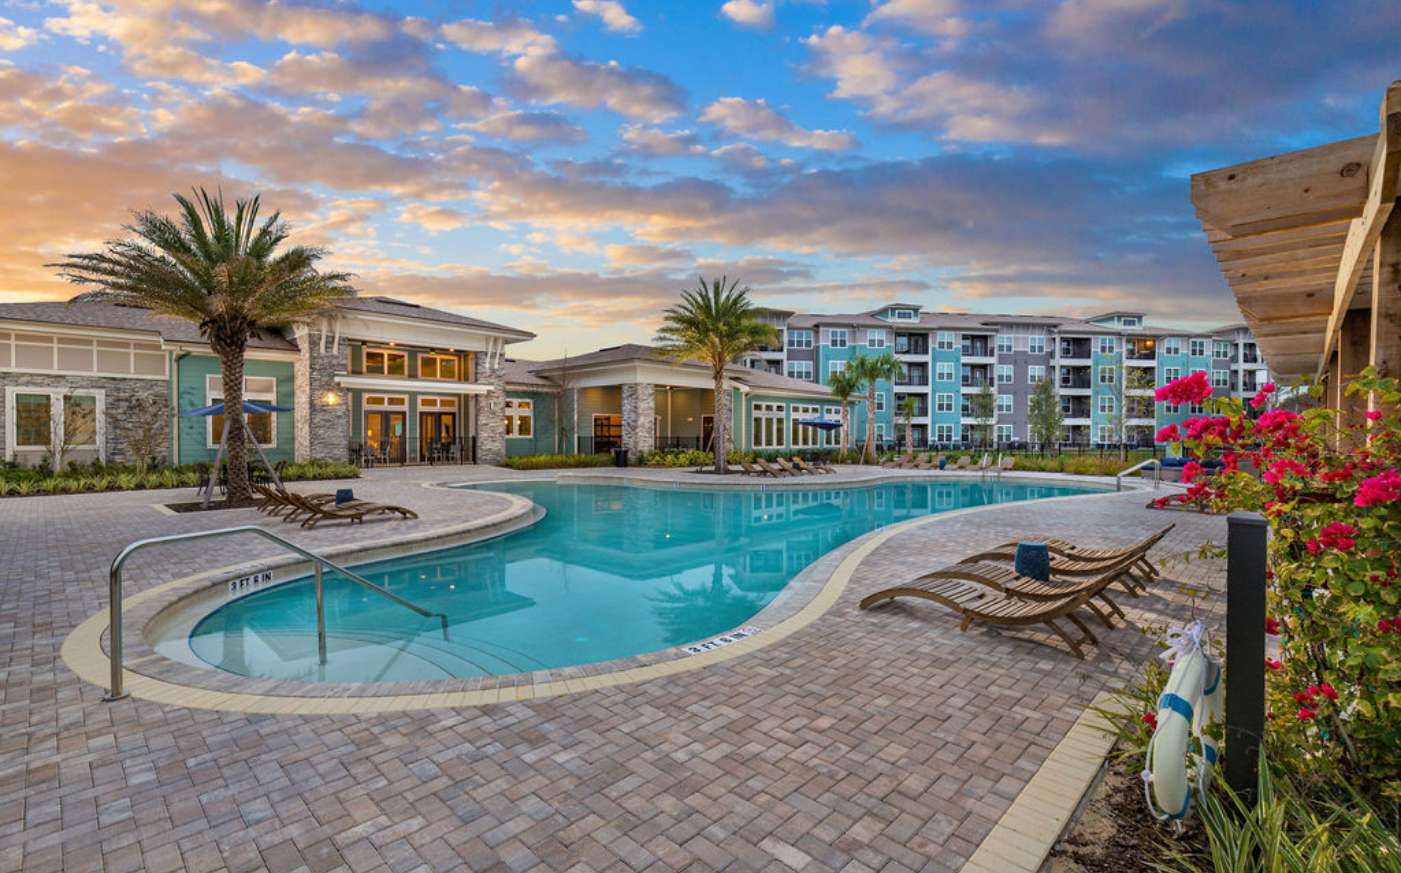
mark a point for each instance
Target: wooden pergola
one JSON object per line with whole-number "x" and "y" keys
{"x": 1310, "y": 243}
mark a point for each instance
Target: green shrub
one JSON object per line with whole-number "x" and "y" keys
{"x": 312, "y": 470}
{"x": 553, "y": 462}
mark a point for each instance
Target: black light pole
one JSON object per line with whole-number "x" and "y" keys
{"x": 1245, "y": 649}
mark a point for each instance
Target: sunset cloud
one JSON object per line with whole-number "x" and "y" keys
{"x": 749, "y": 13}
{"x": 754, "y": 119}
{"x": 612, "y": 13}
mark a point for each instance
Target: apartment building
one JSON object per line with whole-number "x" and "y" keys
{"x": 1104, "y": 368}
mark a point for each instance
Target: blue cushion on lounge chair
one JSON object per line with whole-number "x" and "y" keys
{"x": 943, "y": 462}
{"x": 344, "y": 495}
{"x": 1034, "y": 560}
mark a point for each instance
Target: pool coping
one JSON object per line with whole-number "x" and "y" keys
{"x": 153, "y": 676}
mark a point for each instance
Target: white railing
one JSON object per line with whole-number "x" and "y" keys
{"x": 1157, "y": 473}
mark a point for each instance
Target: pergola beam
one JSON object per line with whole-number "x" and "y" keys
{"x": 1364, "y": 231}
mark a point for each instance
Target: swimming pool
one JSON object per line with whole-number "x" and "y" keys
{"x": 610, "y": 571}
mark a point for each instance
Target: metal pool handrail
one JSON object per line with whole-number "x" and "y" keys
{"x": 117, "y": 692}
{"x": 1157, "y": 473}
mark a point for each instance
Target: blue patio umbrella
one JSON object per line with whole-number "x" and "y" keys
{"x": 249, "y": 407}
{"x": 820, "y": 423}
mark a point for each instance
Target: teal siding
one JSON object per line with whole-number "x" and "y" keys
{"x": 193, "y": 433}
{"x": 544, "y": 434}
{"x": 1097, "y": 360}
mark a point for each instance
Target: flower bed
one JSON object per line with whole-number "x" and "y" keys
{"x": 80, "y": 479}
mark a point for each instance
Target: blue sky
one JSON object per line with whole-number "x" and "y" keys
{"x": 569, "y": 166}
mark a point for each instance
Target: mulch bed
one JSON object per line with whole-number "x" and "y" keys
{"x": 1115, "y": 833}
{"x": 214, "y": 505}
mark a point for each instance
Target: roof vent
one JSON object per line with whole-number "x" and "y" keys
{"x": 391, "y": 301}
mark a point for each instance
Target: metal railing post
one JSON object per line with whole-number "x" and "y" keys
{"x": 114, "y": 624}
{"x": 1246, "y": 534}
{"x": 320, "y": 617}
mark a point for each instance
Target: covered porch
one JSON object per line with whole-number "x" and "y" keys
{"x": 643, "y": 418}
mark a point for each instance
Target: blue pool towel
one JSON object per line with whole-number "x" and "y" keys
{"x": 344, "y": 495}
{"x": 1034, "y": 560}
{"x": 943, "y": 462}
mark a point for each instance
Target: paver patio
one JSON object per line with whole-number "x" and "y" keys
{"x": 881, "y": 740}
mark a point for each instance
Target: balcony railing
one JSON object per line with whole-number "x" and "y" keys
{"x": 1075, "y": 382}
{"x": 911, "y": 345}
{"x": 462, "y": 450}
{"x": 912, "y": 380}
{"x": 974, "y": 382}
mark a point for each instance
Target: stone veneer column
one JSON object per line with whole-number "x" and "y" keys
{"x": 491, "y": 414}
{"x": 321, "y": 407}
{"x": 639, "y": 419}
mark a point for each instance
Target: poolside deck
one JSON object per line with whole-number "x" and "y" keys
{"x": 865, "y": 741}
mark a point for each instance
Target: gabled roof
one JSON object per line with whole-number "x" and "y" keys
{"x": 405, "y": 309}
{"x": 522, "y": 373}
{"x": 758, "y": 379}
{"x": 116, "y": 316}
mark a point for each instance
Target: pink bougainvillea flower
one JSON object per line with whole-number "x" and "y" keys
{"x": 1327, "y": 691}
{"x": 1302, "y": 697}
{"x": 1267, "y": 388}
{"x": 1384, "y": 625}
{"x": 1374, "y": 415}
{"x": 1167, "y": 434}
{"x": 1195, "y": 388}
{"x": 1313, "y": 546}
{"x": 1385, "y": 487}
{"x": 1272, "y": 626}
{"x": 1151, "y": 719}
{"x": 1306, "y": 714}
{"x": 1274, "y": 664}
{"x": 1190, "y": 471}
{"x": 1338, "y": 535}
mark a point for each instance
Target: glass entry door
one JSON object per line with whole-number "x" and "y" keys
{"x": 384, "y": 435}
{"x": 437, "y": 433}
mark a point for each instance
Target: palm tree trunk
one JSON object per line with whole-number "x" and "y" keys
{"x": 236, "y": 448}
{"x": 846, "y": 428}
{"x": 870, "y": 421}
{"x": 722, "y": 426}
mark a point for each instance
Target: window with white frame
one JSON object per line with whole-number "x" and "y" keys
{"x": 1220, "y": 378}
{"x": 53, "y": 420}
{"x": 386, "y": 362}
{"x": 1169, "y": 408}
{"x": 1195, "y": 408}
{"x": 1106, "y": 434}
{"x": 1002, "y": 433}
{"x": 880, "y": 431}
{"x": 944, "y": 340}
{"x": 836, "y": 337}
{"x": 1036, "y": 344}
{"x": 943, "y": 433}
{"x": 835, "y": 367}
{"x": 943, "y": 403}
{"x": 1035, "y": 373}
{"x": 799, "y": 338}
{"x": 1220, "y": 349}
{"x": 437, "y": 366}
{"x": 1106, "y": 375}
{"x": 903, "y": 314}
{"x": 875, "y": 338}
{"x": 768, "y": 426}
{"x": 1004, "y": 343}
{"x": 880, "y": 401}
{"x": 1006, "y": 404}
{"x": 1171, "y": 374}
{"x": 803, "y": 436}
{"x": 263, "y": 425}
{"x": 832, "y": 437}
{"x": 64, "y": 353}
{"x": 1130, "y": 321}
{"x": 943, "y": 371}
{"x": 1107, "y": 345}
{"x": 520, "y": 418}
{"x": 1004, "y": 374}
{"x": 1106, "y": 404}
{"x": 1197, "y": 348}
{"x": 1172, "y": 345}
{"x": 800, "y": 370}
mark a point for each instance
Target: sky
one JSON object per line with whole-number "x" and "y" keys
{"x": 569, "y": 167}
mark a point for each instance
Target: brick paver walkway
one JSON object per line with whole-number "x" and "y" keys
{"x": 883, "y": 740}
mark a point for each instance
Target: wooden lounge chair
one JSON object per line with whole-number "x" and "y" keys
{"x": 902, "y": 461}
{"x": 964, "y": 462}
{"x": 756, "y": 469}
{"x": 1075, "y": 559}
{"x": 275, "y": 502}
{"x": 772, "y": 469}
{"x": 355, "y": 510}
{"x": 1007, "y": 463}
{"x": 788, "y": 468}
{"x": 814, "y": 467}
{"x": 982, "y": 600}
{"x": 929, "y": 463}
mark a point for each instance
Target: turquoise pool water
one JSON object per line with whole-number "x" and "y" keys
{"x": 609, "y": 572}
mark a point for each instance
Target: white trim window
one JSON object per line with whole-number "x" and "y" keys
{"x": 1106, "y": 404}
{"x": 77, "y": 354}
{"x": 1107, "y": 435}
{"x": 943, "y": 371}
{"x": 835, "y": 367}
{"x": 1005, "y": 404}
{"x": 1171, "y": 374}
{"x": 799, "y": 338}
{"x": 1172, "y": 345}
{"x": 944, "y": 340}
{"x": 1196, "y": 348}
{"x": 800, "y": 370}
{"x": 1002, "y": 433}
{"x": 768, "y": 426}
{"x": 263, "y": 389}
{"x": 520, "y": 419}
{"x": 1130, "y": 321}
{"x": 1035, "y": 373}
{"x": 832, "y": 437}
{"x": 803, "y": 436}
{"x": 1036, "y": 344}
{"x": 1108, "y": 345}
{"x": 434, "y": 365}
{"x": 880, "y": 431}
{"x": 1220, "y": 378}
{"x": 836, "y": 337}
{"x": 1222, "y": 349}
{"x": 386, "y": 362}
{"x": 875, "y": 338}
{"x": 1170, "y": 409}
{"x": 1107, "y": 376}
{"x": 902, "y": 314}
{"x": 55, "y": 420}
{"x": 943, "y": 403}
{"x": 880, "y": 401}
{"x": 1004, "y": 344}
{"x": 943, "y": 433}
{"x": 1004, "y": 374}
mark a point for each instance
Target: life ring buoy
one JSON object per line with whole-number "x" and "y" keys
{"x": 1190, "y": 701}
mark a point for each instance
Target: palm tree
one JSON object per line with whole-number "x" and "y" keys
{"x": 715, "y": 324}
{"x": 222, "y": 272}
{"x": 844, "y": 385}
{"x": 868, "y": 371}
{"x": 907, "y": 414}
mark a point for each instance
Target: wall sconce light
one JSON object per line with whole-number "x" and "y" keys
{"x": 330, "y": 398}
